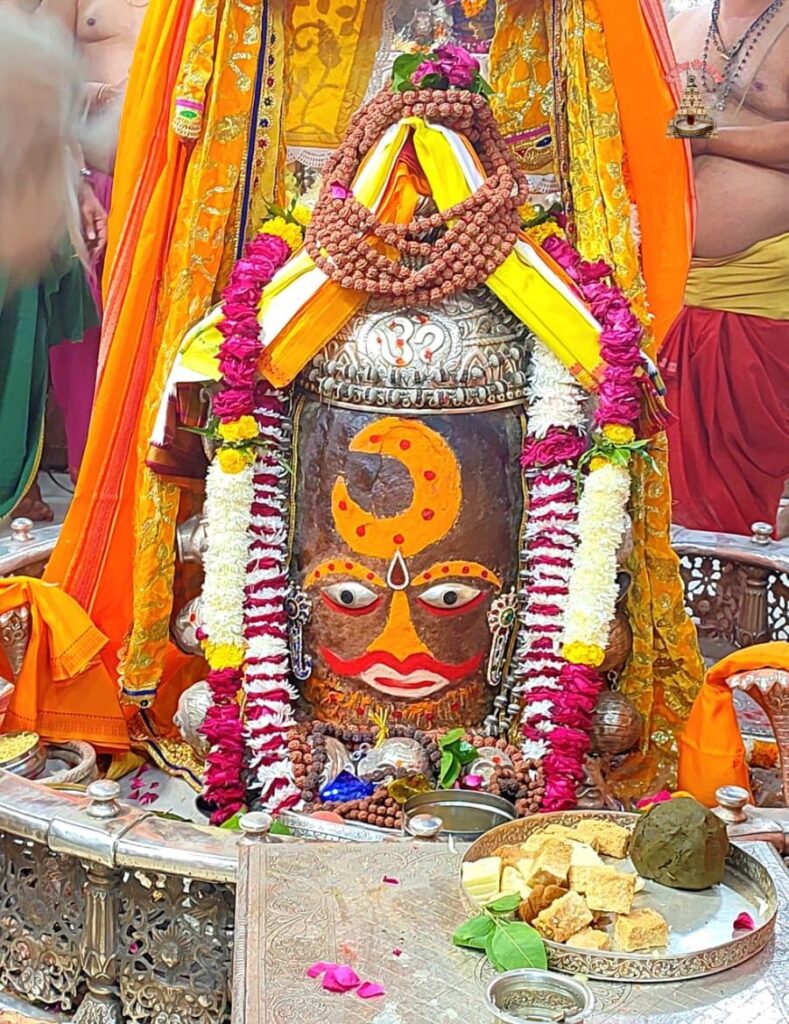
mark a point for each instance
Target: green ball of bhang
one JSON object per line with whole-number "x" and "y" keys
{"x": 680, "y": 843}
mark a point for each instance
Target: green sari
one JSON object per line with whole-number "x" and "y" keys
{"x": 33, "y": 318}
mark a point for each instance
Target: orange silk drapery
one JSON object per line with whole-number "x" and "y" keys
{"x": 658, "y": 166}
{"x": 96, "y": 544}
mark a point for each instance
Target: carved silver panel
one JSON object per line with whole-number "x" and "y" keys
{"x": 176, "y": 950}
{"x": 468, "y": 352}
{"x": 41, "y": 922}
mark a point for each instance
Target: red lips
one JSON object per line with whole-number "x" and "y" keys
{"x": 413, "y": 663}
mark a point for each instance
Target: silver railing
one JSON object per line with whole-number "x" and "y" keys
{"x": 109, "y": 913}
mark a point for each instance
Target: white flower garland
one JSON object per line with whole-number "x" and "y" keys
{"x": 228, "y": 504}
{"x": 602, "y": 520}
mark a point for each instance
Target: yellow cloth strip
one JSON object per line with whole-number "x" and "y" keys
{"x": 525, "y": 282}
{"x": 559, "y": 322}
{"x": 752, "y": 282}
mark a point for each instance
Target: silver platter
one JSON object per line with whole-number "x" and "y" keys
{"x": 702, "y": 940}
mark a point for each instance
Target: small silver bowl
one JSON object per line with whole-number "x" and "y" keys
{"x": 31, "y": 763}
{"x": 465, "y": 814}
{"x": 520, "y": 997}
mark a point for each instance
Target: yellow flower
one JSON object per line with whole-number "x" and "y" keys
{"x": 221, "y": 656}
{"x": 243, "y": 429}
{"x": 545, "y": 230}
{"x": 584, "y": 654}
{"x": 290, "y": 234}
{"x": 618, "y": 434}
{"x": 233, "y": 460}
{"x": 301, "y": 214}
{"x": 528, "y": 212}
{"x": 597, "y": 463}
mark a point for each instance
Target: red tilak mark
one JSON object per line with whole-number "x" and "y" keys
{"x": 360, "y": 531}
{"x": 429, "y": 474}
{"x": 427, "y": 513}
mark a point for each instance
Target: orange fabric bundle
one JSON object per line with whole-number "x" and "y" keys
{"x": 711, "y": 750}
{"x": 64, "y": 644}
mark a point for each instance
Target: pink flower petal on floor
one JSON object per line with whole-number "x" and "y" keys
{"x": 370, "y": 990}
{"x": 340, "y": 979}
{"x": 319, "y": 968}
{"x": 388, "y": 880}
{"x": 744, "y": 922}
{"x": 397, "y": 952}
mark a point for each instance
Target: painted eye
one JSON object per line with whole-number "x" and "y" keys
{"x": 351, "y": 597}
{"x": 450, "y": 597}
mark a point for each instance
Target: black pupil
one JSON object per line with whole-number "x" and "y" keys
{"x": 346, "y": 596}
{"x": 450, "y": 598}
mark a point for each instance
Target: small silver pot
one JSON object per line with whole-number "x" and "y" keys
{"x": 29, "y": 764}
{"x": 520, "y": 997}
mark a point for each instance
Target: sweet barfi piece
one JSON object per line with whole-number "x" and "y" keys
{"x": 565, "y": 917}
{"x": 552, "y": 864}
{"x": 582, "y": 855}
{"x": 581, "y": 876}
{"x": 590, "y": 938}
{"x": 539, "y": 899}
{"x": 512, "y": 882}
{"x": 510, "y": 855}
{"x": 611, "y": 891}
{"x": 605, "y": 836}
{"x": 556, "y": 831}
{"x": 641, "y": 929}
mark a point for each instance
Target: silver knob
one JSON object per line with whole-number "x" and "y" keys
{"x": 255, "y": 825}
{"x": 21, "y": 530}
{"x": 423, "y": 826}
{"x": 762, "y": 534}
{"x": 104, "y": 799}
{"x": 731, "y": 804}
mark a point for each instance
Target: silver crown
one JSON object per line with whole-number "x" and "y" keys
{"x": 468, "y": 352}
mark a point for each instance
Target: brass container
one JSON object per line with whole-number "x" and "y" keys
{"x": 620, "y": 643}
{"x": 617, "y": 724}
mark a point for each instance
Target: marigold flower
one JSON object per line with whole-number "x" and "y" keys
{"x": 547, "y": 229}
{"x": 290, "y": 234}
{"x": 584, "y": 654}
{"x": 243, "y": 429}
{"x": 301, "y": 214}
{"x": 618, "y": 434}
{"x": 233, "y": 460}
{"x": 597, "y": 463}
{"x": 221, "y": 656}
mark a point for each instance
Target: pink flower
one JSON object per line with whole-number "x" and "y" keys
{"x": 455, "y": 57}
{"x": 370, "y": 990}
{"x": 341, "y": 978}
{"x": 339, "y": 191}
{"x": 593, "y": 271}
{"x": 556, "y": 447}
{"x": 744, "y": 922}
{"x": 427, "y": 67}
{"x": 233, "y": 403}
{"x": 659, "y": 798}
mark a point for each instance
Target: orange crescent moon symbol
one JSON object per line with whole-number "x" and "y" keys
{"x": 434, "y": 508}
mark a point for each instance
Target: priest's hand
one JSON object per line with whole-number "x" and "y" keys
{"x": 94, "y": 221}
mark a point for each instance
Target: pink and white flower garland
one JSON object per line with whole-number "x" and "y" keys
{"x": 245, "y": 409}
{"x": 570, "y": 546}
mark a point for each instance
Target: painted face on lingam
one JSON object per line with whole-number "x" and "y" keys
{"x": 407, "y": 532}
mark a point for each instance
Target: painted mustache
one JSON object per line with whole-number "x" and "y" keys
{"x": 416, "y": 677}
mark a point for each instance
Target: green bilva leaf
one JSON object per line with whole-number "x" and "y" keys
{"x": 278, "y": 829}
{"x": 449, "y": 770}
{"x": 402, "y": 69}
{"x": 465, "y": 752}
{"x": 474, "y": 933}
{"x": 451, "y": 737}
{"x": 515, "y": 944}
{"x": 232, "y": 824}
{"x": 504, "y": 904}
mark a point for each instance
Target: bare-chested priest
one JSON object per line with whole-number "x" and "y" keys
{"x": 726, "y": 358}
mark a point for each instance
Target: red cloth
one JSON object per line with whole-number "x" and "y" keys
{"x": 728, "y": 384}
